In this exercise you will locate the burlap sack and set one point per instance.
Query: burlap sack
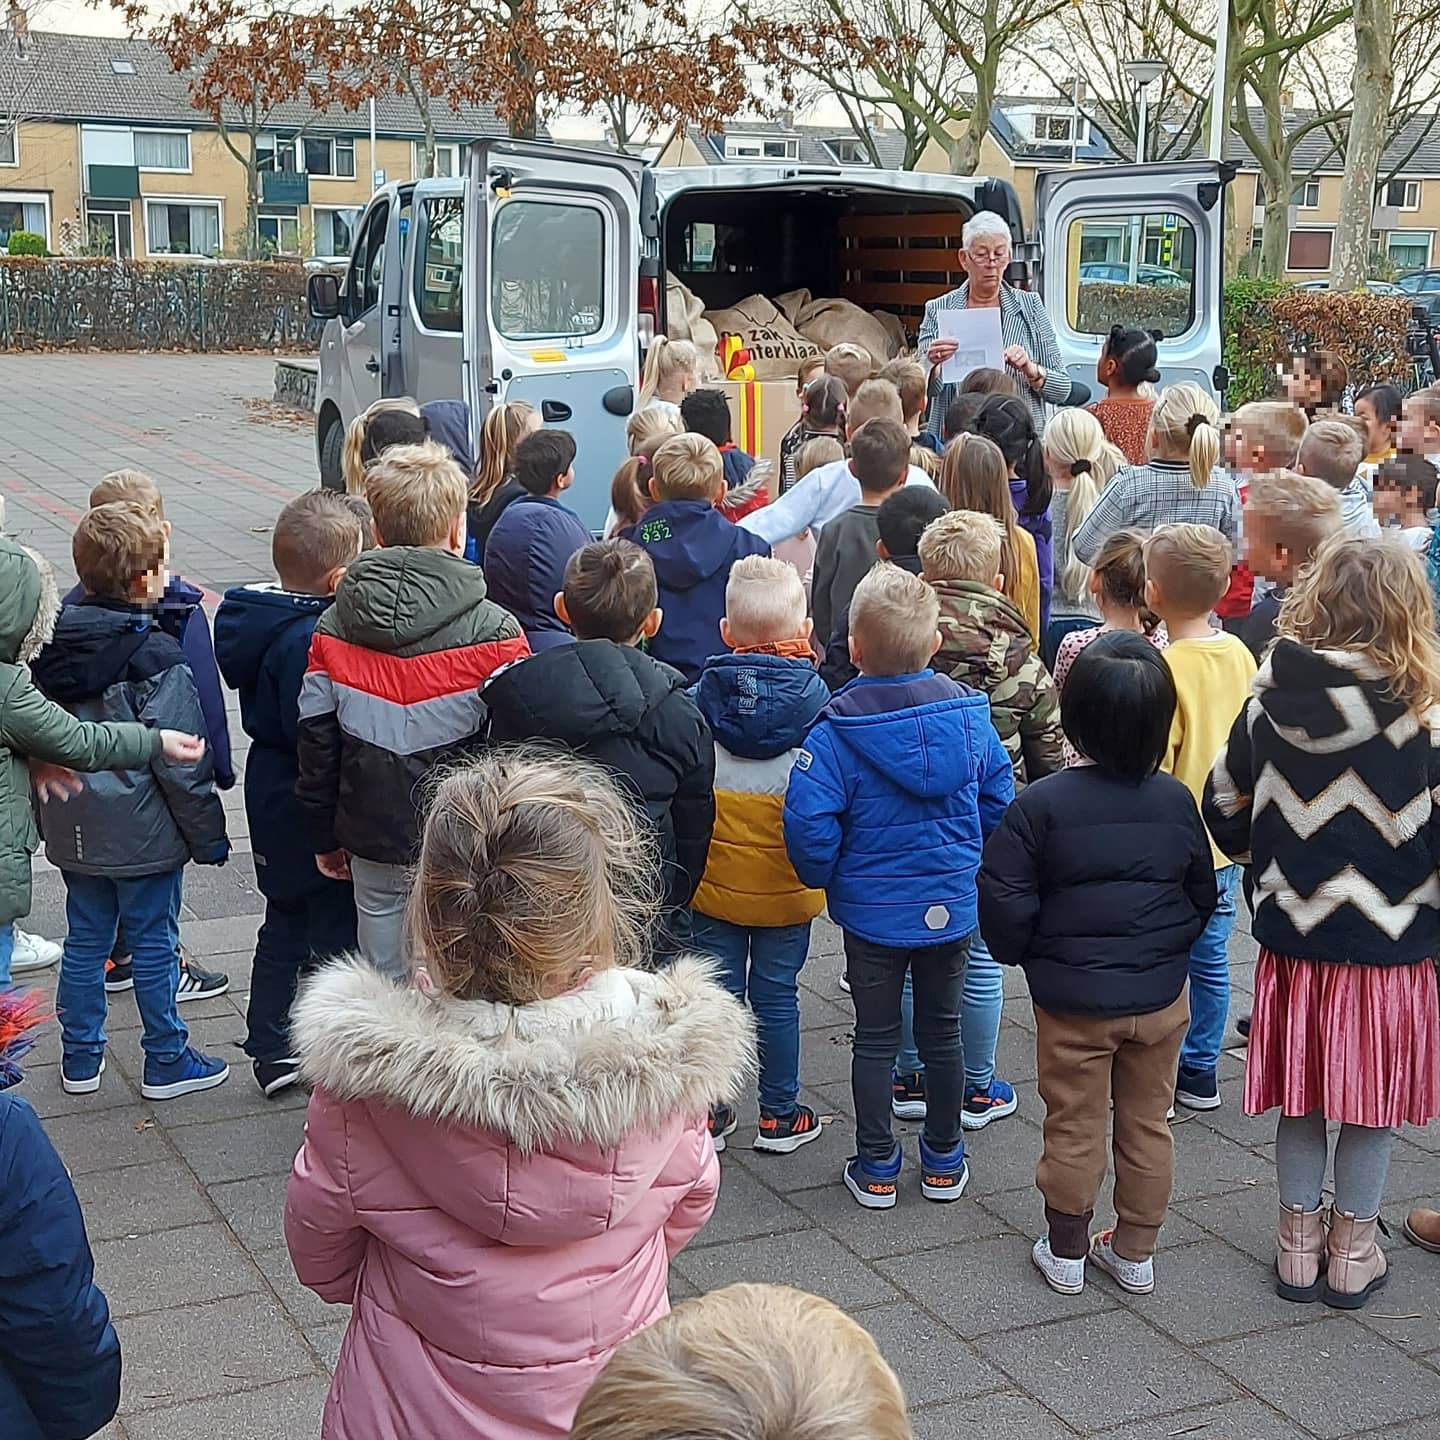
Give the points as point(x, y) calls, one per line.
point(832, 322)
point(895, 329)
point(776, 348)
point(685, 320)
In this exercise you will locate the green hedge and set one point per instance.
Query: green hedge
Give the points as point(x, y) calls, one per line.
point(1266, 322)
point(1100, 305)
point(26, 242)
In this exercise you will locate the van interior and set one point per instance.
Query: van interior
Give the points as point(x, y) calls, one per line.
point(881, 249)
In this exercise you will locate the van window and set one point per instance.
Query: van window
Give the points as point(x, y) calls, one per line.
point(1132, 270)
point(367, 265)
point(440, 275)
point(547, 263)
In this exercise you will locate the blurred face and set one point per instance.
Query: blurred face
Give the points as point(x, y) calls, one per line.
point(1262, 554)
point(1389, 502)
point(1379, 434)
point(985, 261)
point(1301, 388)
point(1415, 435)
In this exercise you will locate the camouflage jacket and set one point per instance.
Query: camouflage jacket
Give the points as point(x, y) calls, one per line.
point(985, 643)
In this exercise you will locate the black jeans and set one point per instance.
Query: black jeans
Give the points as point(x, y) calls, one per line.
point(297, 934)
point(877, 976)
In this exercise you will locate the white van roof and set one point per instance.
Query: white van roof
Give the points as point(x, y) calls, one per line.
point(674, 180)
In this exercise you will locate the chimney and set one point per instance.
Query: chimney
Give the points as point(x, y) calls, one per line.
point(787, 119)
point(876, 120)
point(1287, 101)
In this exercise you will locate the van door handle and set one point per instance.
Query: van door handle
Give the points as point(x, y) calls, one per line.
point(373, 365)
point(555, 412)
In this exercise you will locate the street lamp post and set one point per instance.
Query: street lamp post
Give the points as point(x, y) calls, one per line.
point(1143, 74)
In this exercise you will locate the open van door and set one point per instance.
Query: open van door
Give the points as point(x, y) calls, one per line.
point(551, 298)
point(1141, 246)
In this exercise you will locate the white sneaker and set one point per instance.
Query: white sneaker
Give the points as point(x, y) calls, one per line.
point(1065, 1277)
point(1136, 1276)
point(32, 952)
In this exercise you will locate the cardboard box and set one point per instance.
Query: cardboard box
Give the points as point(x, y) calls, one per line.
point(761, 412)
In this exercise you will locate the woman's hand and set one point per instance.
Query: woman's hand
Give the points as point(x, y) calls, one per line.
point(941, 349)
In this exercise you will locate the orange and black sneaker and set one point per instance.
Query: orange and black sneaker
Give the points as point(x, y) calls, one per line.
point(119, 975)
point(874, 1183)
point(943, 1177)
point(780, 1134)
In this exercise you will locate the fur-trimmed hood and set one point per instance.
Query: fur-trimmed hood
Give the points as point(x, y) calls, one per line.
point(624, 1054)
point(31, 602)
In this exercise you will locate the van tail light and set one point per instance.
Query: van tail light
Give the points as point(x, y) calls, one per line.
point(649, 308)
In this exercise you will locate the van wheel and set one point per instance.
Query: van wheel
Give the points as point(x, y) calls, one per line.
point(331, 474)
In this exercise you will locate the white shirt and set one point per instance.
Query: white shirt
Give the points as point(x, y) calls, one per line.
point(823, 494)
point(1357, 509)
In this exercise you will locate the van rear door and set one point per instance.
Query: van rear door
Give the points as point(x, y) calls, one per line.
point(432, 277)
point(1140, 246)
point(551, 295)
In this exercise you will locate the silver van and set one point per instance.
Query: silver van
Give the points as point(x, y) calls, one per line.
point(541, 274)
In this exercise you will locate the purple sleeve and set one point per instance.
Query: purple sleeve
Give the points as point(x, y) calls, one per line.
point(200, 652)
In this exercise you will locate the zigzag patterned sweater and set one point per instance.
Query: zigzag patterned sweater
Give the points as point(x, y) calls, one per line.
point(1327, 789)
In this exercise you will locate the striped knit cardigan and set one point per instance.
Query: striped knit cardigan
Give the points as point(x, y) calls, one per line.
point(1327, 789)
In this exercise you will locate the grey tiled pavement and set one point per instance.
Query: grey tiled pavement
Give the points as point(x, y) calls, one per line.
point(183, 1199)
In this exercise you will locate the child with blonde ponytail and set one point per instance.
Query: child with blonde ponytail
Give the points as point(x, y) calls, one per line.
point(396, 421)
point(1082, 462)
point(493, 487)
point(672, 371)
point(1183, 482)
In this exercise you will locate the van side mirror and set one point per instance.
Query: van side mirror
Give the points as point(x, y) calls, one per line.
point(323, 291)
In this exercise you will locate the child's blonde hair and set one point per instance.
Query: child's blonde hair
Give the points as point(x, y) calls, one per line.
point(1332, 451)
point(352, 455)
point(962, 545)
point(505, 427)
point(533, 868)
point(850, 364)
point(1190, 564)
point(1299, 512)
point(764, 601)
point(874, 400)
point(974, 476)
point(1373, 599)
point(630, 485)
point(822, 450)
point(115, 545)
point(1183, 425)
point(416, 493)
point(893, 615)
point(749, 1362)
point(1075, 440)
point(647, 425)
point(134, 486)
point(1276, 426)
point(909, 377)
point(665, 360)
point(924, 460)
point(688, 467)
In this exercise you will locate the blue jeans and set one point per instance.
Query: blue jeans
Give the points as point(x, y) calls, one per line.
point(979, 1019)
point(765, 963)
point(95, 905)
point(1210, 979)
point(7, 950)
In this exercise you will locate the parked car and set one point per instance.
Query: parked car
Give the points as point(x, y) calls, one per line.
point(1424, 285)
point(1117, 272)
point(1375, 287)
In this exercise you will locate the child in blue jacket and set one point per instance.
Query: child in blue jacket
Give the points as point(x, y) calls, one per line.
point(888, 806)
point(262, 639)
point(692, 546)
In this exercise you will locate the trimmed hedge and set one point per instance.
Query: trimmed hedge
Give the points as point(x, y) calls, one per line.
point(1266, 322)
point(1100, 305)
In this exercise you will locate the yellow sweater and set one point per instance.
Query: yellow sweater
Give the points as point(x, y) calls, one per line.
point(1212, 683)
point(1023, 588)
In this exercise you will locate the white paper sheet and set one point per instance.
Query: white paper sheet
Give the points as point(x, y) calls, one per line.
point(977, 335)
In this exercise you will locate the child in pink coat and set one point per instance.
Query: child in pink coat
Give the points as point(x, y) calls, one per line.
point(501, 1159)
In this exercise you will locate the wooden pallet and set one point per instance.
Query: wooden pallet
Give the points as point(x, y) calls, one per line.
point(898, 262)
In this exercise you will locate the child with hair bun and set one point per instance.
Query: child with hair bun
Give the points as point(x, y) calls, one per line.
point(502, 1155)
point(1128, 370)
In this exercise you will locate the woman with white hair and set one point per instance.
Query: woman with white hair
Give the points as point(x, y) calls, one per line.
point(1032, 356)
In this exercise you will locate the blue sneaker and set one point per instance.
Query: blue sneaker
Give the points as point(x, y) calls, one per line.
point(943, 1177)
point(983, 1106)
point(1197, 1089)
point(188, 1072)
point(907, 1096)
point(80, 1074)
point(872, 1182)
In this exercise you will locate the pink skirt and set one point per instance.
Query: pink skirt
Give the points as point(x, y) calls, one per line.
point(1359, 1042)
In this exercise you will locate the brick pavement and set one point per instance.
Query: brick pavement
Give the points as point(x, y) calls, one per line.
point(183, 1199)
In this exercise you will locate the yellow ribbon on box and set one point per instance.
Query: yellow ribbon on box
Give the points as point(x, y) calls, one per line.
point(735, 358)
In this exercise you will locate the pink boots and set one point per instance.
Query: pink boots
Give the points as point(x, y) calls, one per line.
point(1300, 1255)
point(1357, 1263)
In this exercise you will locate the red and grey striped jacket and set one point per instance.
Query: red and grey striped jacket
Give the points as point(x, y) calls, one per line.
point(392, 690)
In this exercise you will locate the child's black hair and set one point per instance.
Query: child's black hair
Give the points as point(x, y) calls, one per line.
point(1117, 705)
point(1135, 354)
point(1409, 472)
point(1006, 420)
point(961, 413)
point(707, 413)
point(1386, 401)
point(903, 517)
point(386, 428)
point(541, 458)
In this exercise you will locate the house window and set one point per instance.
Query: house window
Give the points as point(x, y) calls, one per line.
point(849, 152)
point(335, 230)
point(449, 159)
point(9, 150)
point(1054, 129)
point(332, 155)
point(109, 232)
point(757, 147)
point(278, 227)
point(1409, 249)
point(167, 150)
point(182, 227)
point(21, 211)
point(1309, 250)
point(1306, 196)
point(276, 153)
point(1402, 195)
